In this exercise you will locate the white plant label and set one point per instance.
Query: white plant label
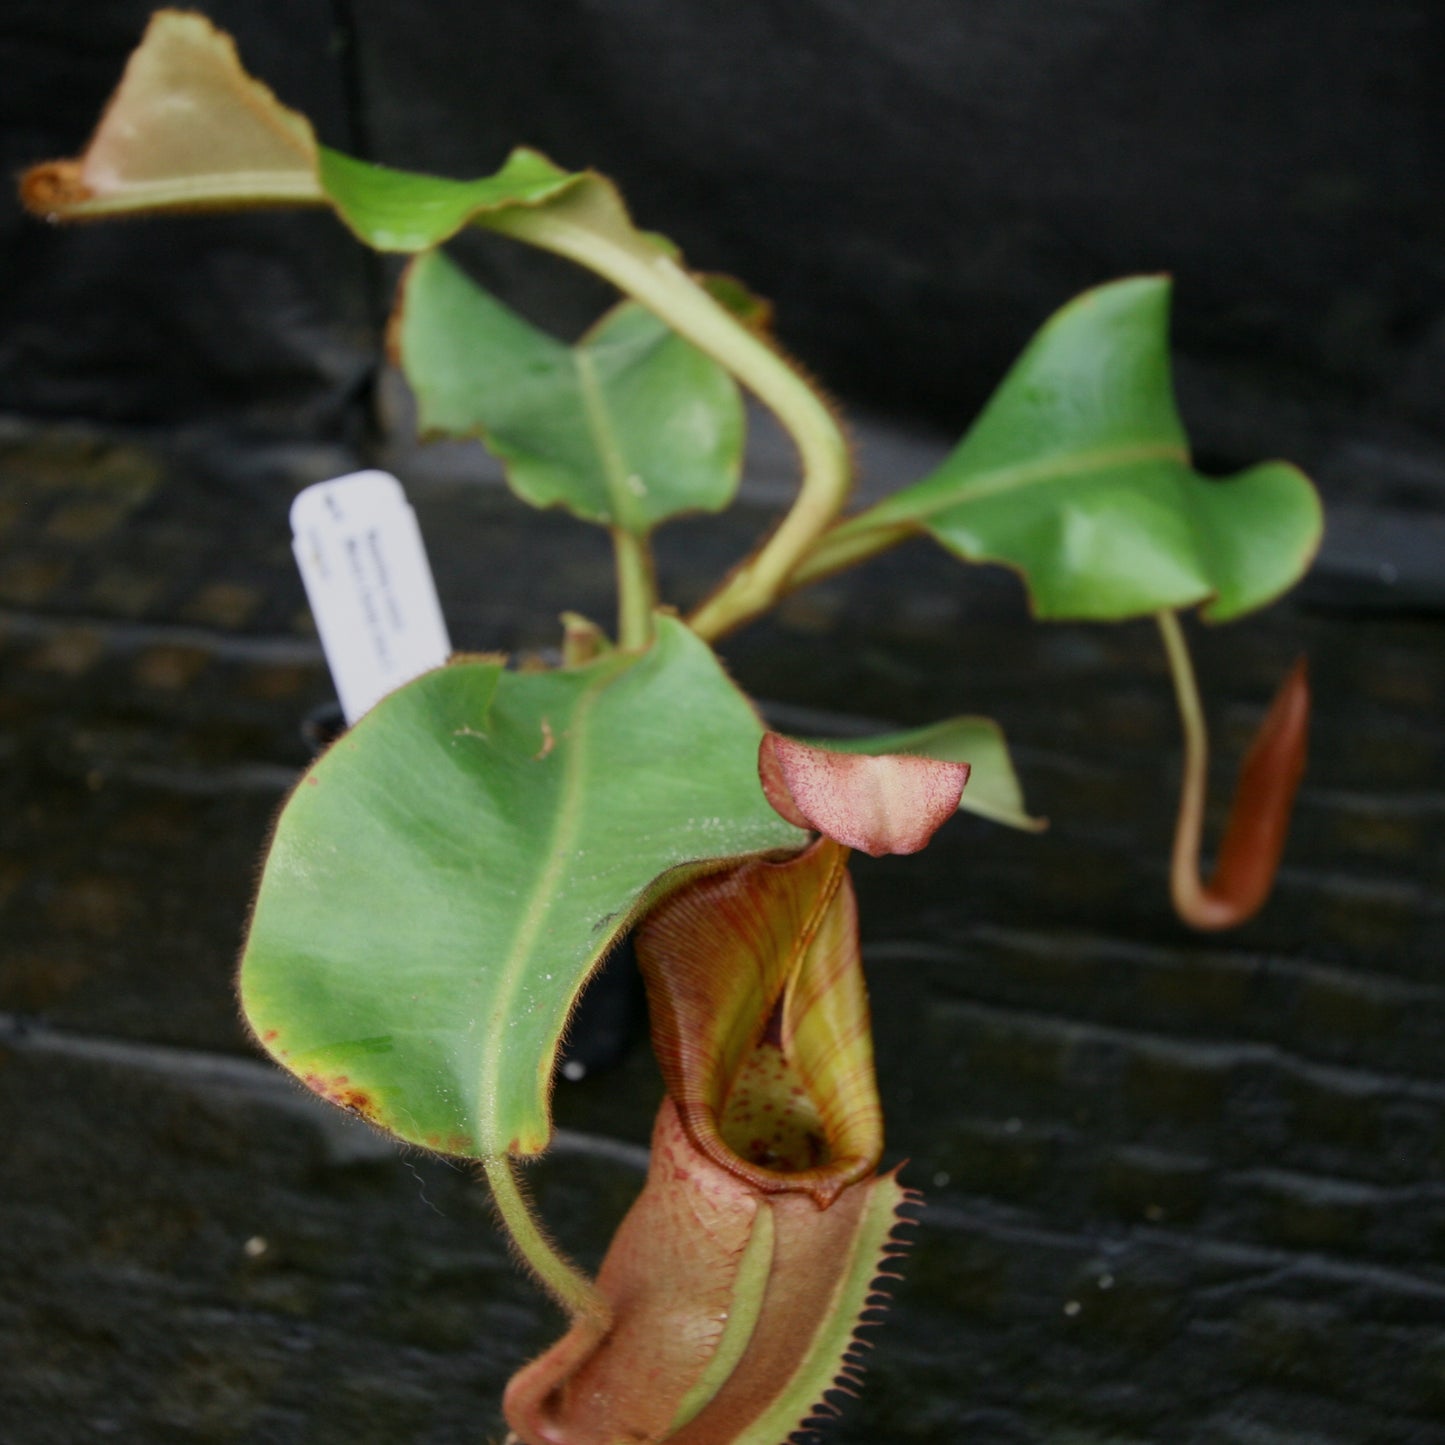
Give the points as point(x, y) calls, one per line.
point(369, 584)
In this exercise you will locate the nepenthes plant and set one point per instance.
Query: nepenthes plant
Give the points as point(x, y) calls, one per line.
point(445, 880)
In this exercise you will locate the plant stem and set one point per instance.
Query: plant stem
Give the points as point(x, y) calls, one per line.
point(558, 1275)
point(595, 234)
point(636, 577)
point(845, 545)
point(636, 588)
point(1189, 895)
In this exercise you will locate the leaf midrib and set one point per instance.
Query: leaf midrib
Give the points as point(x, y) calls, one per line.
point(565, 825)
point(1009, 479)
point(220, 186)
point(615, 470)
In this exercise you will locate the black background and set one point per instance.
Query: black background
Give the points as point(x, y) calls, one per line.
point(916, 186)
point(1182, 1189)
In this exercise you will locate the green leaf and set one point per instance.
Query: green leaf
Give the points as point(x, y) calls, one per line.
point(189, 128)
point(446, 877)
point(530, 197)
point(993, 789)
point(631, 426)
point(395, 210)
point(1077, 474)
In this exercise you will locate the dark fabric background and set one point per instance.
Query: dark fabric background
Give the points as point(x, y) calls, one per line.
point(1182, 1190)
point(917, 185)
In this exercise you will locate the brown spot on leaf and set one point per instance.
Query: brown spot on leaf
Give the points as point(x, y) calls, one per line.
point(341, 1092)
point(47, 190)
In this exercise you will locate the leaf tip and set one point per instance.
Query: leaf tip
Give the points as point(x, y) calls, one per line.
point(186, 128)
point(51, 189)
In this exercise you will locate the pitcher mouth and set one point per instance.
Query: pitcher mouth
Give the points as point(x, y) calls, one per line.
point(760, 1022)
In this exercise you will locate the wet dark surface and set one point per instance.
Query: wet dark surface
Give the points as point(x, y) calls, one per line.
point(1180, 1189)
